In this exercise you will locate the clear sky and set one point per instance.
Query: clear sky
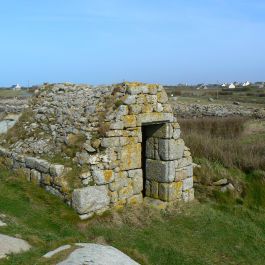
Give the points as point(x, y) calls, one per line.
point(108, 41)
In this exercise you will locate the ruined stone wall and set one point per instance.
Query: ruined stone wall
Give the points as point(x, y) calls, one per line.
point(40, 172)
point(110, 155)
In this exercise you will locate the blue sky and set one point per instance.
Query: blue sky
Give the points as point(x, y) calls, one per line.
point(108, 41)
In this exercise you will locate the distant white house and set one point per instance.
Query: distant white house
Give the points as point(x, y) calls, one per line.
point(232, 86)
point(224, 85)
point(16, 87)
point(246, 83)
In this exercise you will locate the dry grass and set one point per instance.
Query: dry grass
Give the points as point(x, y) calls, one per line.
point(223, 140)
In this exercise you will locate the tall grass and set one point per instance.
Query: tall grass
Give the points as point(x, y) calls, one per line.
point(222, 140)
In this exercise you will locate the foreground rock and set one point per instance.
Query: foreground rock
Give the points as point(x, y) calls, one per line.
point(10, 245)
point(97, 255)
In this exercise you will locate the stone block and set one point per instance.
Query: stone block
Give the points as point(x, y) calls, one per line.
point(134, 90)
point(129, 121)
point(160, 171)
point(131, 157)
point(137, 184)
point(110, 142)
point(90, 199)
point(150, 148)
point(164, 131)
point(170, 191)
point(176, 133)
point(187, 183)
point(135, 109)
point(147, 188)
point(154, 189)
point(162, 97)
point(129, 99)
point(102, 177)
point(147, 108)
point(56, 170)
point(125, 192)
point(154, 117)
point(188, 195)
point(35, 176)
point(182, 173)
point(42, 165)
point(170, 149)
point(118, 125)
point(183, 162)
point(135, 173)
point(30, 162)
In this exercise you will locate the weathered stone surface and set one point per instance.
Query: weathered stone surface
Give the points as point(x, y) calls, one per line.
point(102, 177)
point(170, 149)
point(170, 191)
point(30, 162)
point(135, 173)
point(145, 118)
point(182, 173)
point(137, 184)
point(42, 165)
point(131, 157)
point(160, 171)
point(97, 255)
point(9, 245)
point(125, 192)
point(56, 170)
point(90, 199)
point(129, 121)
point(187, 183)
point(110, 142)
point(154, 189)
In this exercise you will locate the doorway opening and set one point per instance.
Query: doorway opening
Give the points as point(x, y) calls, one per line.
point(149, 133)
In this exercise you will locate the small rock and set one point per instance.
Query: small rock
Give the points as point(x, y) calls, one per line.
point(228, 187)
point(220, 182)
point(10, 245)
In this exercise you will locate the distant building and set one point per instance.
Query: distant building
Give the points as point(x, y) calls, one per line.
point(16, 87)
point(246, 83)
point(224, 85)
point(232, 86)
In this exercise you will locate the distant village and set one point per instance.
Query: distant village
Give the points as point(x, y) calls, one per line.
point(233, 85)
point(223, 86)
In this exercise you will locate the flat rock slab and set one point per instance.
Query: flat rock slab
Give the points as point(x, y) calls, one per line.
point(10, 245)
point(97, 255)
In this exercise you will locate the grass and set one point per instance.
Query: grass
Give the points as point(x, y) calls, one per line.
point(224, 140)
point(195, 234)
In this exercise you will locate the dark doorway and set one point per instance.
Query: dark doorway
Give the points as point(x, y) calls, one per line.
point(149, 133)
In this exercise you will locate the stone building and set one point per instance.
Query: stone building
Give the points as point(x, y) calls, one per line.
point(129, 147)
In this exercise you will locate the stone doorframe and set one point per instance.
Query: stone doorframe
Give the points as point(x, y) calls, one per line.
point(163, 149)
